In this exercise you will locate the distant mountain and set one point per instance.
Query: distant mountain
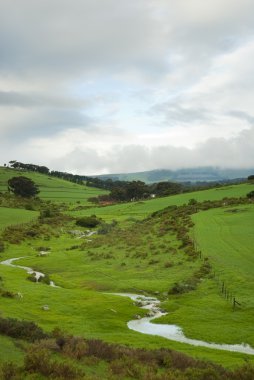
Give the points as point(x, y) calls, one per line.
point(204, 174)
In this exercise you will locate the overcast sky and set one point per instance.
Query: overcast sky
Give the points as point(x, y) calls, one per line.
point(107, 86)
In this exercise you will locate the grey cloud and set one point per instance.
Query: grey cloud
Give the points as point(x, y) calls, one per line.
point(242, 116)
point(176, 113)
point(46, 123)
point(232, 153)
point(62, 37)
point(17, 99)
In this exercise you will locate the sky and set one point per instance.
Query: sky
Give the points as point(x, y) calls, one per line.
point(112, 86)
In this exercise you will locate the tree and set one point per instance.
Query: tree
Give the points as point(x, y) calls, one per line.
point(23, 186)
point(250, 195)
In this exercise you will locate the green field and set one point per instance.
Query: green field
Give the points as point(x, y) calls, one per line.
point(53, 189)
point(138, 257)
point(10, 216)
point(139, 210)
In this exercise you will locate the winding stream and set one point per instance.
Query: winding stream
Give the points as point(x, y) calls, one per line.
point(36, 274)
point(144, 325)
point(172, 332)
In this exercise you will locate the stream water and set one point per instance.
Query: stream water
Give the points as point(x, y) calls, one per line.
point(36, 274)
point(144, 325)
point(172, 332)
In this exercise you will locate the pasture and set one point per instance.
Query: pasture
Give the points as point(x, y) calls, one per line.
point(139, 210)
point(11, 216)
point(53, 189)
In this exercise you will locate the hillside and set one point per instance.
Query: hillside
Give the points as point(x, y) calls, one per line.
point(132, 211)
point(173, 248)
point(207, 174)
point(51, 188)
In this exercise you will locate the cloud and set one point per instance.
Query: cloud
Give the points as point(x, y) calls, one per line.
point(126, 85)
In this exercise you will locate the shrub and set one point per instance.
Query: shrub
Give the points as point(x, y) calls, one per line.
point(168, 264)
point(31, 277)
point(7, 293)
point(75, 347)
point(10, 371)
point(44, 279)
point(250, 195)
point(89, 222)
point(1, 246)
point(105, 228)
point(21, 329)
point(38, 360)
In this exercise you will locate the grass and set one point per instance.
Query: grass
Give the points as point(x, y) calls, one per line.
point(138, 210)
point(11, 216)
point(81, 306)
point(9, 351)
point(225, 235)
point(134, 258)
point(53, 189)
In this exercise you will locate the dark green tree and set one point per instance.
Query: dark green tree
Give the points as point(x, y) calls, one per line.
point(251, 194)
point(23, 186)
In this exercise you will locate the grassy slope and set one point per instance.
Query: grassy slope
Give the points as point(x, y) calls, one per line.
point(15, 216)
point(226, 237)
point(140, 210)
point(51, 188)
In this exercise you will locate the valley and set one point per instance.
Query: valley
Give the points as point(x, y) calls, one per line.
point(193, 256)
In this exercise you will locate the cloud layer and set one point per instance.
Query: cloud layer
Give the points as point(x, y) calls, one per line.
point(98, 86)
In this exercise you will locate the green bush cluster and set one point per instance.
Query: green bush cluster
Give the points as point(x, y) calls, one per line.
point(88, 221)
point(21, 329)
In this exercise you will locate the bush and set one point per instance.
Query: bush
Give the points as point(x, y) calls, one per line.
point(38, 360)
point(1, 246)
point(75, 347)
point(21, 329)
point(9, 371)
point(89, 222)
point(250, 195)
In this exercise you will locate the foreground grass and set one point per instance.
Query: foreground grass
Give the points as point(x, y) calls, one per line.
point(9, 351)
point(131, 260)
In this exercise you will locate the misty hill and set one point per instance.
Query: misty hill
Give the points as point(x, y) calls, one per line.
point(207, 174)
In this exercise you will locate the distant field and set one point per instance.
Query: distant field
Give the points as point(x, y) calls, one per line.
point(140, 210)
point(52, 188)
point(10, 216)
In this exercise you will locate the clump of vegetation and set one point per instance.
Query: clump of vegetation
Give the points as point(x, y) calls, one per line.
point(7, 293)
point(44, 279)
point(21, 329)
point(31, 277)
point(250, 195)
point(23, 187)
point(192, 282)
point(1, 246)
point(88, 222)
point(37, 360)
point(105, 228)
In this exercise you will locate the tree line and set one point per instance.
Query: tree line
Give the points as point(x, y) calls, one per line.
point(120, 191)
